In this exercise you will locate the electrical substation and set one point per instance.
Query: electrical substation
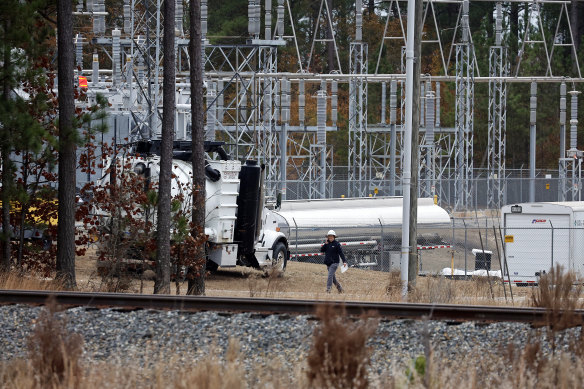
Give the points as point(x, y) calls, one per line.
point(283, 119)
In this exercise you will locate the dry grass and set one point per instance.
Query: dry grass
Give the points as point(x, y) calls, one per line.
point(339, 358)
point(339, 355)
point(394, 286)
point(54, 353)
point(300, 281)
point(268, 284)
point(560, 293)
point(16, 281)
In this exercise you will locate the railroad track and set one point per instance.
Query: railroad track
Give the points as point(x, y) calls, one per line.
point(279, 306)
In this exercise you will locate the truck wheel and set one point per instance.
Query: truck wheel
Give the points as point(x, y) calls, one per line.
point(279, 260)
point(212, 266)
point(46, 242)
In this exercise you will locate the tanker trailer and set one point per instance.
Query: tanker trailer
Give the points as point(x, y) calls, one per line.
point(368, 228)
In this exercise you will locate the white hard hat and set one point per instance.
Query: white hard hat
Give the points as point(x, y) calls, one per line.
point(331, 232)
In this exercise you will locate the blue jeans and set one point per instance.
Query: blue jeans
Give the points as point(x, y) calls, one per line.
point(332, 269)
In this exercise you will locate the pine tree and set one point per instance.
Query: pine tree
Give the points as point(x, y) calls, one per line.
point(67, 146)
point(162, 283)
point(197, 274)
point(23, 45)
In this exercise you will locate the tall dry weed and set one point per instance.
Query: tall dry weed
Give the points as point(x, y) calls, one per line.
point(16, 281)
point(394, 286)
point(339, 355)
point(215, 373)
point(54, 352)
point(436, 290)
point(559, 293)
point(269, 284)
point(16, 374)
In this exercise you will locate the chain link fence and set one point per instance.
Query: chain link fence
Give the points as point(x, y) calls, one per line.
point(467, 248)
point(515, 187)
point(516, 190)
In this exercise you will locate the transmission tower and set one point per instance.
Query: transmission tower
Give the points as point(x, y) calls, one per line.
point(498, 68)
point(358, 185)
point(464, 117)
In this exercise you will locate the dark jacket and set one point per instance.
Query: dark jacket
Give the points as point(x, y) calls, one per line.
point(332, 251)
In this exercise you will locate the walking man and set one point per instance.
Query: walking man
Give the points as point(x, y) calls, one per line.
point(332, 251)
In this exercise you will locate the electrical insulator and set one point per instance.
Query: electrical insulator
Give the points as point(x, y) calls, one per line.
point(334, 102)
point(321, 117)
point(301, 102)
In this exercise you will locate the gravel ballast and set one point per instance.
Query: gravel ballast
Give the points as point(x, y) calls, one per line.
point(139, 335)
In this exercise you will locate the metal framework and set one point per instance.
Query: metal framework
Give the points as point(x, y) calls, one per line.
point(359, 171)
point(248, 100)
point(464, 117)
point(498, 67)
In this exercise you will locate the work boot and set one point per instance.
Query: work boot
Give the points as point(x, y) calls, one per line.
point(340, 289)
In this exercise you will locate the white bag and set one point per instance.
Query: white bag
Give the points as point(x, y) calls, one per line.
point(344, 267)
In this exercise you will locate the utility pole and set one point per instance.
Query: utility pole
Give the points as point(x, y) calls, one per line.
point(409, 262)
point(416, 106)
point(532, 134)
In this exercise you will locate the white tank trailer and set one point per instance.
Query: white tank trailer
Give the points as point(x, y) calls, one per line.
point(368, 228)
point(243, 230)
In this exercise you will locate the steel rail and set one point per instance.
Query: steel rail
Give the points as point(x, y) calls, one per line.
point(280, 306)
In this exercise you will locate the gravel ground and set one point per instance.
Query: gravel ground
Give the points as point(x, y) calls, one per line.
point(140, 335)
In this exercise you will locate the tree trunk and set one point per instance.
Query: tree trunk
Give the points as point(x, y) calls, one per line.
point(6, 173)
point(162, 283)
point(5, 198)
point(330, 47)
point(371, 7)
point(67, 147)
point(23, 211)
point(197, 271)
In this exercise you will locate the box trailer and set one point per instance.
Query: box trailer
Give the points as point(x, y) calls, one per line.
point(539, 236)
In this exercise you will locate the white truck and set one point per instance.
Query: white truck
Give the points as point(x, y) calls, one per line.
point(236, 221)
point(539, 236)
point(242, 230)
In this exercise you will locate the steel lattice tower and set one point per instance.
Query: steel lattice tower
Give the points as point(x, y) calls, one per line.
point(464, 117)
point(498, 67)
point(358, 149)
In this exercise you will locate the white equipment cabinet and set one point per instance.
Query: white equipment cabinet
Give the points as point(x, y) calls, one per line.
point(220, 211)
point(539, 236)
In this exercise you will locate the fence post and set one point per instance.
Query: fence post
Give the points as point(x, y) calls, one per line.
point(296, 227)
point(381, 257)
point(465, 250)
point(486, 233)
point(452, 251)
point(521, 184)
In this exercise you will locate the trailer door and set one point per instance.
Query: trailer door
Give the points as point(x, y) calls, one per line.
point(533, 246)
